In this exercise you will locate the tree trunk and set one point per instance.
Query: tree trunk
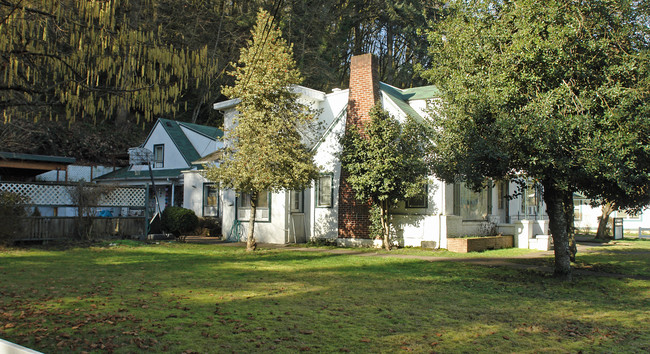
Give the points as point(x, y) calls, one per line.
point(251, 245)
point(384, 225)
point(607, 210)
point(557, 211)
point(570, 228)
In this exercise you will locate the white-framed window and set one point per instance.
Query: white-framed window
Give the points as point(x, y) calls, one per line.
point(577, 209)
point(263, 206)
point(471, 205)
point(625, 215)
point(421, 200)
point(324, 191)
point(159, 156)
point(531, 199)
point(502, 193)
point(296, 200)
point(210, 200)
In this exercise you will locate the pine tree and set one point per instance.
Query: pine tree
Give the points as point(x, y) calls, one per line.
point(264, 145)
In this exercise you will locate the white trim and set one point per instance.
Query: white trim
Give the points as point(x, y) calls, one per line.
point(7, 347)
point(226, 105)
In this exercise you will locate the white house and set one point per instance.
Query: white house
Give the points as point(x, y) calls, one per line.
point(587, 217)
point(328, 210)
point(176, 147)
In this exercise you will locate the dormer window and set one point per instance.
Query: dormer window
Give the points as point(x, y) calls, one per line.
point(159, 156)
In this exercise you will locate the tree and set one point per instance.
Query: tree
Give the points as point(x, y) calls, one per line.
point(385, 163)
point(91, 60)
point(557, 91)
point(264, 146)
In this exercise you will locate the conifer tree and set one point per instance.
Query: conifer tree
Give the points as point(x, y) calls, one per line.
point(264, 149)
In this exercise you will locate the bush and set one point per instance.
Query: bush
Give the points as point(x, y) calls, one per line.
point(210, 227)
point(179, 221)
point(12, 206)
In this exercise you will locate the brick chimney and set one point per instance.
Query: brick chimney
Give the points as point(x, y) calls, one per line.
point(354, 216)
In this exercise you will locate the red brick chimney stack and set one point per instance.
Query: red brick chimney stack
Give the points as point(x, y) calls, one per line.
point(354, 216)
point(364, 88)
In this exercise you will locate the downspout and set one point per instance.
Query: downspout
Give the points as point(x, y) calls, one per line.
point(312, 210)
point(442, 213)
point(287, 212)
point(173, 193)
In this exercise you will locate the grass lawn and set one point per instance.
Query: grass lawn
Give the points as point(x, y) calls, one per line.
point(212, 298)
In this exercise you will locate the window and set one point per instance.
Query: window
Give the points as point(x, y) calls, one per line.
point(159, 156)
point(577, 210)
point(624, 214)
point(420, 201)
point(296, 200)
point(471, 205)
point(263, 206)
point(532, 199)
point(502, 192)
point(210, 200)
point(324, 191)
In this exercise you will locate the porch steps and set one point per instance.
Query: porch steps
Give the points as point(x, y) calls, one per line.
point(541, 243)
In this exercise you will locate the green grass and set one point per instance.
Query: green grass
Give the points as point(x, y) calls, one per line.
point(210, 298)
point(629, 256)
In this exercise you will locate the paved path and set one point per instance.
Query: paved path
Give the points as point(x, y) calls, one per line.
point(583, 247)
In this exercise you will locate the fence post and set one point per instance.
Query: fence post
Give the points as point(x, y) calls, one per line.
point(146, 210)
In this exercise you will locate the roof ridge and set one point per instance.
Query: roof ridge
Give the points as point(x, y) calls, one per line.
point(182, 142)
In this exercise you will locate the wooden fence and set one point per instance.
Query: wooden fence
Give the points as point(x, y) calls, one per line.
point(125, 201)
point(63, 228)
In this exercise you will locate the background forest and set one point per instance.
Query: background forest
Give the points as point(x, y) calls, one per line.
point(324, 34)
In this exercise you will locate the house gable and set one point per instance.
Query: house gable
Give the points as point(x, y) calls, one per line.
point(182, 142)
point(204, 145)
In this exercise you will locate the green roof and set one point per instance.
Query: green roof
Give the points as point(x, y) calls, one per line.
point(183, 144)
point(421, 93)
point(210, 132)
point(411, 94)
point(397, 97)
point(124, 173)
point(181, 141)
point(32, 157)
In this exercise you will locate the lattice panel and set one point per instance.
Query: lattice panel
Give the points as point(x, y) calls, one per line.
point(59, 195)
point(125, 197)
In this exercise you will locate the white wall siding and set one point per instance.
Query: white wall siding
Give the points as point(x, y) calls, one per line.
point(201, 143)
point(173, 157)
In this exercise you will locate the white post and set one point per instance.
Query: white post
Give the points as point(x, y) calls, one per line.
point(523, 233)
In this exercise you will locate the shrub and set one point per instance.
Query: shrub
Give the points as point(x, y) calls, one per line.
point(12, 206)
point(178, 221)
point(210, 226)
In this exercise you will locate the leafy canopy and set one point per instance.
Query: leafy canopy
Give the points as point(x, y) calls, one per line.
point(385, 164)
point(385, 161)
point(264, 149)
point(557, 90)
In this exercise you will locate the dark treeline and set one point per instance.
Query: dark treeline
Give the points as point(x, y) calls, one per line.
point(325, 34)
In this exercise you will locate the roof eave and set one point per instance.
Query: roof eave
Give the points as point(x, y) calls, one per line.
point(226, 105)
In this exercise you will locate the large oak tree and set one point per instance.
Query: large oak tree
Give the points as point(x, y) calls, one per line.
point(557, 90)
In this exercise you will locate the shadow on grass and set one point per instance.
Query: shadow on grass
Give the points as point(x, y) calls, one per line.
point(202, 298)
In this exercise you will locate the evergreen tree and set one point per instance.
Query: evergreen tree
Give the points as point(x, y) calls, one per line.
point(558, 91)
point(264, 150)
point(385, 163)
